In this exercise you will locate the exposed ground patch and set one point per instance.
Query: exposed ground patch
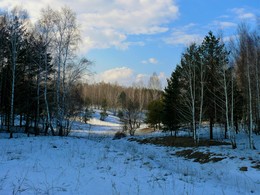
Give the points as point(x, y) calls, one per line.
point(256, 165)
point(197, 156)
point(177, 141)
point(200, 157)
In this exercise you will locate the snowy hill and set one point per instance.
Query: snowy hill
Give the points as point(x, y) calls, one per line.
point(90, 162)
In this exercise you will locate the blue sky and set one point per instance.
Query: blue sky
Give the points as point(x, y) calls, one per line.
point(130, 39)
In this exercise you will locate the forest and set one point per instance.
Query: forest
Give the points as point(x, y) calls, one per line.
point(62, 132)
point(42, 77)
point(217, 83)
point(41, 82)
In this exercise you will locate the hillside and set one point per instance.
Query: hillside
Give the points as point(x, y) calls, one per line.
point(89, 161)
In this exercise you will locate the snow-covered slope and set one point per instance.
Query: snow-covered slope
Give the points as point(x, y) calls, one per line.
point(93, 164)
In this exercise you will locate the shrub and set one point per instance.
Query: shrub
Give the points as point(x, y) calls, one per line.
point(119, 135)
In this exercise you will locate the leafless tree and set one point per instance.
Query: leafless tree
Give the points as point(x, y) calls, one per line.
point(155, 85)
point(45, 30)
point(66, 40)
point(190, 62)
point(245, 62)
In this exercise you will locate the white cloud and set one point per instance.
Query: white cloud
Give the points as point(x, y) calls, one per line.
point(144, 79)
point(163, 79)
point(243, 14)
point(224, 24)
point(127, 77)
point(227, 39)
point(150, 61)
point(108, 23)
point(183, 35)
point(121, 75)
point(141, 77)
point(153, 60)
point(224, 17)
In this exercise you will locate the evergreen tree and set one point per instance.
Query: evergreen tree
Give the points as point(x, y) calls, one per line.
point(16, 34)
point(122, 99)
point(103, 114)
point(171, 102)
point(154, 113)
point(213, 57)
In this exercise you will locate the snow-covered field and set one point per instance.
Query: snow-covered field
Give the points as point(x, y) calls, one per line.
point(91, 162)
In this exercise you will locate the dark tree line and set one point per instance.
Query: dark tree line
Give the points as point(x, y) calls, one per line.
point(39, 71)
point(216, 83)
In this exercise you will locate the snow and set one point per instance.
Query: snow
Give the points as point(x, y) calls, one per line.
point(89, 161)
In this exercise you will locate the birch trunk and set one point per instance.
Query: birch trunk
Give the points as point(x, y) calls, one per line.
point(13, 45)
point(251, 141)
point(14, 52)
point(201, 96)
point(233, 132)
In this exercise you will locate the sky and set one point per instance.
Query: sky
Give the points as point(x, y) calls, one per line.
point(129, 40)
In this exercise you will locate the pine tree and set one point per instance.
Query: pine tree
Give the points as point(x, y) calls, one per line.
point(155, 113)
point(213, 55)
point(103, 114)
point(171, 102)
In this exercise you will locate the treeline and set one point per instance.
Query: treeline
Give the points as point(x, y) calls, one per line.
point(94, 94)
point(128, 103)
point(214, 82)
point(39, 71)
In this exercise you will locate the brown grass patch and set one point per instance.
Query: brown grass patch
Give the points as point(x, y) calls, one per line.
point(177, 141)
point(200, 157)
point(243, 168)
point(146, 130)
point(257, 166)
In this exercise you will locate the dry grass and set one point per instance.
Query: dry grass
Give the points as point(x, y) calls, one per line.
point(177, 141)
point(145, 130)
point(197, 156)
point(243, 168)
point(256, 165)
point(200, 157)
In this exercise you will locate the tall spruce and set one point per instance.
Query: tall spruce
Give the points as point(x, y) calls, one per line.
point(171, 102)
point(213, 53)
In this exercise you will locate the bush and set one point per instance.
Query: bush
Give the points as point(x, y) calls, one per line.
point(120, 115)
point(119, 135)
point(103, 115)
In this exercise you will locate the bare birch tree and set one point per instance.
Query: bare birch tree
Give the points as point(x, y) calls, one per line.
point(66, 40)
point(155, 85)
point(45, 29)
point(189, 63)
point(245, 63)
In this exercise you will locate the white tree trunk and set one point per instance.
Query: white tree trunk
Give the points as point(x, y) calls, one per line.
point(251, 141)
point(201, 96)
point(192, 85)
point(226, 98)
point(13, 45)
point(14, 53)
point(233, 133)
